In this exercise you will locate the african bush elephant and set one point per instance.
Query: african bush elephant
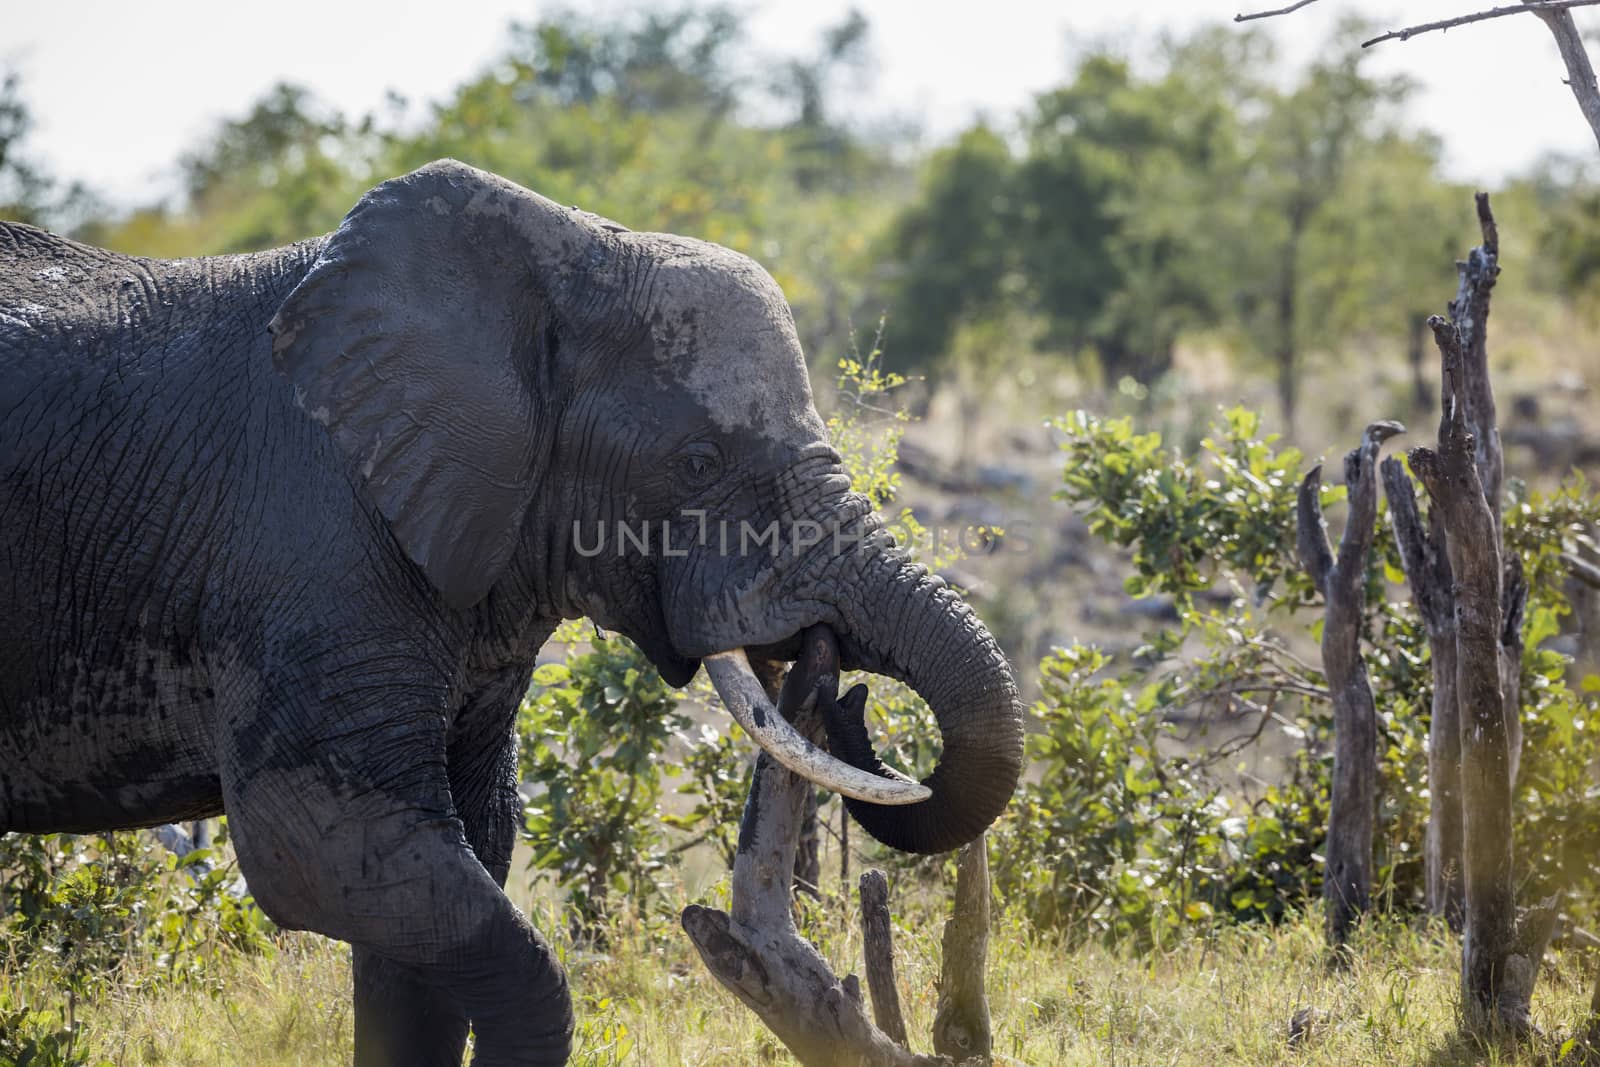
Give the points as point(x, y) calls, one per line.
point(283, 533)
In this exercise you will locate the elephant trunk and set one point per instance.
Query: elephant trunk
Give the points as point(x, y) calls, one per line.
point(901, 621)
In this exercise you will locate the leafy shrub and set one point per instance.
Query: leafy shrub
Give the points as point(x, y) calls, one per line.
point(94, 904)
point(593, 732)
point(41, 1037)
point(1125, 831)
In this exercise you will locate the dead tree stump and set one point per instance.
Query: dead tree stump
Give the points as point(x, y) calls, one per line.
point(961, 1024)
point(877, 950)
point(1347, 879)
point(1469, 442)
point(1500, 952)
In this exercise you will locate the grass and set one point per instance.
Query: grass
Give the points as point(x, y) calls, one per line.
point(1223, 998)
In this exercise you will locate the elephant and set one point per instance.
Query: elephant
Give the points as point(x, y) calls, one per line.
point(283, 533)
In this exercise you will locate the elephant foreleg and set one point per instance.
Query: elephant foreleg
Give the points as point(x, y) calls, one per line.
point(399, 1017)
point(342, 811)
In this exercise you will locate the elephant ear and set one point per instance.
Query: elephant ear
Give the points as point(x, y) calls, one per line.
point(423, 337)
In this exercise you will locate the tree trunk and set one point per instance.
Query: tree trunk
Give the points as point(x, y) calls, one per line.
point(1427, 567)
point(1445, 895)
point(1467, 395)
point(1500, 954)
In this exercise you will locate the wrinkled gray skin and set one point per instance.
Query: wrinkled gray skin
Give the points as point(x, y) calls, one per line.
point(282, 534)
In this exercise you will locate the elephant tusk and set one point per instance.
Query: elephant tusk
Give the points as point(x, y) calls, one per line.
point(737, 685)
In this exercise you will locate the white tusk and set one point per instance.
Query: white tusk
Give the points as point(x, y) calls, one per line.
point(739, 689)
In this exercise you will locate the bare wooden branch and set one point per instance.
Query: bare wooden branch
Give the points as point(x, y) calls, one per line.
point(1272, 14)
point(961, 1024)
point(1312, 531)
point(1422, 554)
point(756, 952)
point(877, 941)
point(1469, 320)
point(1477, 16)
point(1347, 880)
point(1580, 72)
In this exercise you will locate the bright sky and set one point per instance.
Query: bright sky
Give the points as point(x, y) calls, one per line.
point(119, 89)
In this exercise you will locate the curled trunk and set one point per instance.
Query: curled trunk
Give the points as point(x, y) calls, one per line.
point(903, 622)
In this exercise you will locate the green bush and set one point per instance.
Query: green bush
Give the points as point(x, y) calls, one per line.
point(1126, 832)
point(593, 732)
point(94, 904)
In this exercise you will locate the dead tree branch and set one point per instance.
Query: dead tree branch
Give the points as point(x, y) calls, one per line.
point(1580, 72)
point(757, 953)
point(877, 949)
point(1280, 11)
point(961, 1024)
point(1557, 17)
point(1347, 881)
point(1477, 16)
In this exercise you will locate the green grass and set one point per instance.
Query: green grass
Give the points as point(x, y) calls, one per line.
point(1223, 999)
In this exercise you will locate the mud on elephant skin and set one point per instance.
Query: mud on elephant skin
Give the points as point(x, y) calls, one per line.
point(284, 532)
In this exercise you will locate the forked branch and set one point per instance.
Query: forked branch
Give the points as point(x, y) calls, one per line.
point(757, 953)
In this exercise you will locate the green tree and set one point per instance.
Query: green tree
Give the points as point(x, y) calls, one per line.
point(1294, 256)
point(21, 187)
point(1398, 221)
point(1120, 194)
point(952, 246)
point(652, 63)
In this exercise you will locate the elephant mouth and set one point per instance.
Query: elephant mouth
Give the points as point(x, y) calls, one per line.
point(790, 650)
point(676, 670)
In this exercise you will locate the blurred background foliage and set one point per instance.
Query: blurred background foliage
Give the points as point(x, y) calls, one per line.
point(1199, 194)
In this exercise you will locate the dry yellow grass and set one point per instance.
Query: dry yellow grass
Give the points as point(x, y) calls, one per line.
point(1223, 999)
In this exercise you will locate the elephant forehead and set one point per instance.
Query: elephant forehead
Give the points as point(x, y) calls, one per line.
point(723, 332)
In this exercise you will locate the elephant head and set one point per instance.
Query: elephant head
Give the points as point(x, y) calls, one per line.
point(559, 417)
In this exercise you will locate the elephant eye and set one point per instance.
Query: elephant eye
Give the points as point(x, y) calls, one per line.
point(699, 464)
